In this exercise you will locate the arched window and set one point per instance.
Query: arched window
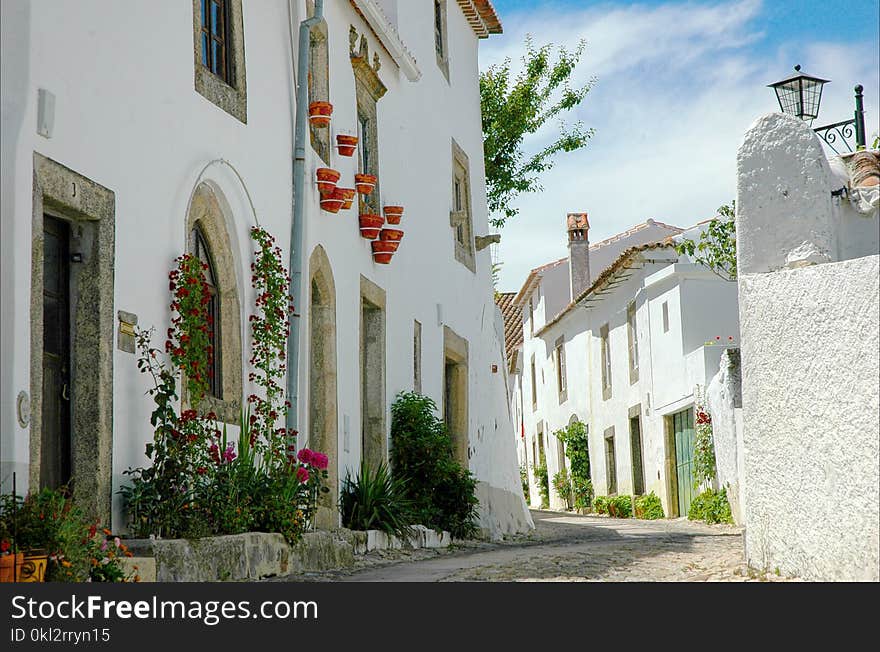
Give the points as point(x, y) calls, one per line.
point(199, 248)
point(208, 238)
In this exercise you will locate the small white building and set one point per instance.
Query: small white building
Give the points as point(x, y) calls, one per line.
point(624, 357)
point(131, 131)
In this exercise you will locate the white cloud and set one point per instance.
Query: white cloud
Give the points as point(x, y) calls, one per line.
point(678, 85)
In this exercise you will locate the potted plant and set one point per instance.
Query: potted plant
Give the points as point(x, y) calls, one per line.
point(348, 197)
point(383, 250)
point(391, 235)
point(346, 144)
point(393, 214)
point(327, 179)
point(333, 201)
point(370, 225)
point(365, 183)
point(319, 113)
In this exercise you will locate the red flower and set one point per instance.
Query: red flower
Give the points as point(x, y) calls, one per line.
point(304, 456)
point(302, 474)
point(320, 461)
point(4, 546)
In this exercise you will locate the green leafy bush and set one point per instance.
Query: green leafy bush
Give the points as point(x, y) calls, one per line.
point(648, 507)
point(542, 478)
point(562, 485)
point(374, 500)
point(524, 479)
point(49, 522)
point(620, 506)
point(442, 493)
point(711, 507)
point(577, 449)
point(600, 504)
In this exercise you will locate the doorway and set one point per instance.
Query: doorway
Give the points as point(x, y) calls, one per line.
point(374, 439)
point(682, 440)
point(635, 440)
point(55, 451)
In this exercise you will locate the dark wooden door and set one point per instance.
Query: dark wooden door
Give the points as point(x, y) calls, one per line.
point(55, 464)
point(635, 433)
point(683, 428)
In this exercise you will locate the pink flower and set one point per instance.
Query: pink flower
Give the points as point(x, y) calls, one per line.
point(320, 461)
point(304, 456)
point(302, 474)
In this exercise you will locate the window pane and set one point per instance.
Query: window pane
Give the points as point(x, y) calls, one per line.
point(204, 13)
point(216, 58)
point(215, 18)
point(204, 49)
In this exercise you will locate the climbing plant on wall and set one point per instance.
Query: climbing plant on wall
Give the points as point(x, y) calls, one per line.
point(704, 447)
point(577, 449)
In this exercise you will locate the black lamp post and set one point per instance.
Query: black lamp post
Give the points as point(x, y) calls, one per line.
point(801, 95)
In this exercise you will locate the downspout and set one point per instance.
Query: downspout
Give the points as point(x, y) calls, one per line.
point(296, 227)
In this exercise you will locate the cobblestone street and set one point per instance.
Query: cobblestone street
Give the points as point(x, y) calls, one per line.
point(571, 548)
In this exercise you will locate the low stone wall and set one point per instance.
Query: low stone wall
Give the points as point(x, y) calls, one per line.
point(256, 555)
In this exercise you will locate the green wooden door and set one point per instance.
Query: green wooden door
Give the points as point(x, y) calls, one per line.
point(683, 427)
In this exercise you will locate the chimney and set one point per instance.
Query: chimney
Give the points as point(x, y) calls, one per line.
point(578, 252)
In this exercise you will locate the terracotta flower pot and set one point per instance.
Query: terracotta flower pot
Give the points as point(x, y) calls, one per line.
point(370, 225)
point(327, 179)
point(364, 183)
point(34, 568)
point(319, 113)
point(393, 214)
point(333, 202)
point(383, 251)
point(348, 195)
point(6, 566)
point(346, 144)
point(395, 235)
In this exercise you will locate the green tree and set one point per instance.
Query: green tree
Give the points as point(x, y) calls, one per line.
point(577, 449)
point(716, 248)
point(513, 108)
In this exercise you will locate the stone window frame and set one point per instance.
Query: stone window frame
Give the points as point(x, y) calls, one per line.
point(610, 462)
point(635, 414)
point(461, 218)
point(206, 211)
point(531, 316)
point(455, 355)
point(534, 378)
point(417, 356)
point(665, 315)
point(319, 82)
point(369, 89)
point(229, 96)
point(90, 209)
point(373, 297)
point(441, 38)
point(605, 356)
point(561, 371)
point(632, 335)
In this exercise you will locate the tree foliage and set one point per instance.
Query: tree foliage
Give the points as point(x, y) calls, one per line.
point(513, 108)
point(716, 248)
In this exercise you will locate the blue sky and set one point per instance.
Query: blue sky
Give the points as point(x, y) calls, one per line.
point(677, 85)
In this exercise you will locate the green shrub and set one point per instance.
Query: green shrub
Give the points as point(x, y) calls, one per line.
point(649, 507)
point(582, 491)
point(600, 504)
point(711, 507)
point(562, 485)
point(443, 495)
point(375, 501)
point(542, 479)
point(620, 506)
point(524, 479)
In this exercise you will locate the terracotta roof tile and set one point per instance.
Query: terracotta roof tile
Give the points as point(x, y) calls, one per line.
point(513, 332)
point(481, 16)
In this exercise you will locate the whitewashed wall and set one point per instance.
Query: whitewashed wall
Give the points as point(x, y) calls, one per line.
point(128, 117)
point(811, 394)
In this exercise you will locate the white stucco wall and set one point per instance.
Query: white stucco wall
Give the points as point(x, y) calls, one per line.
point(724, 402)
point(146, 134)
point(811, 407)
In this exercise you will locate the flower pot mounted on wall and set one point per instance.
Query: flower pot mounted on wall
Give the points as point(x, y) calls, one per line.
point(383, 251)
point(393, 214)
point(346, 144)
point(364, 183)
point(370, 225)
point(347, 196)
point(333, 202)
point(391, 235)
point(319, 113)
point(327, 179)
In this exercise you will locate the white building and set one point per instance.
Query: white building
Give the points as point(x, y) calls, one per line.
point(125, 135)
point(624, 357)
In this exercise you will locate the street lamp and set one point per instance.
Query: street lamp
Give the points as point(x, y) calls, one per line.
point(801, 95)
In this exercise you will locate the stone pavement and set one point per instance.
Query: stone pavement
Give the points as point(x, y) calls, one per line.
point(568, 547)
